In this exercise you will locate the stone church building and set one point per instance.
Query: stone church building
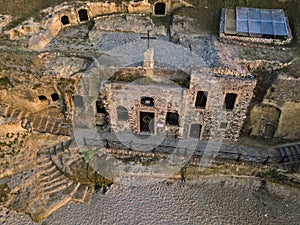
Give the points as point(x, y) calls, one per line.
point(206, 104)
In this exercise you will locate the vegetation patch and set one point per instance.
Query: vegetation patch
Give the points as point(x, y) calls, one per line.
point(83, 173)
point(4, 191)
point(279, 178)
point(5, 82)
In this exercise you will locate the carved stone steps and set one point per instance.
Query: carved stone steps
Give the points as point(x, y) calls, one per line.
point(53, 175)
point(289, 153)
point(50, 127)
point(45, 173)
point(42, 160)
point(57, 185)
point(50, 180)
point(44, 164)
point(43, 201)
point(84, 194)
point(47, 125)
point(56, 127)
point(58, 200)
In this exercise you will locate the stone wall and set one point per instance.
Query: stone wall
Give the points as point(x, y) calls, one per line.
point(214, 114)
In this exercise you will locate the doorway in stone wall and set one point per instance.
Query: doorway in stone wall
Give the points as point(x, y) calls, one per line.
point(147, 122)
point(195, 131)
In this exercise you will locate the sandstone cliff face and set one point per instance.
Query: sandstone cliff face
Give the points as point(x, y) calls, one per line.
point(4, 20)
point(41, 33)
point(283, 96)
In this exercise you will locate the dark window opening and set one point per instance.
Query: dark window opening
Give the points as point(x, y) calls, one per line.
point(172, 119)
point(100, 108)
point(122, 113)
point(160, 8)
point(195, 131)
point(230, 100)
point(43, 98)
point(147, 122)
point(65, 20)
point(83, 15)
point(223, 125)
point(55, 97)
point(78, 101)
point(201, 99)
point(147, 101)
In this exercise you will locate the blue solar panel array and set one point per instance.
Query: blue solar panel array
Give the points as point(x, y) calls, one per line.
point(261, 22)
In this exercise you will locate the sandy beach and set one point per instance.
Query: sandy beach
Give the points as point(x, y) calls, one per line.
point(210, 200)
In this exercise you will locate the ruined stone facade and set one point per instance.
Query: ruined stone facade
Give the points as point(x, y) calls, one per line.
point(175, 110)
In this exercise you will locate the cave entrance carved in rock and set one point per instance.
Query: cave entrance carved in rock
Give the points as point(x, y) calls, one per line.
point(160, 8)
point(83, 15)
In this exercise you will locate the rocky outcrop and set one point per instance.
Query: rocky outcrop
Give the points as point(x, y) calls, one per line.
point(263, 65)
point(125, 23)
point(4, 20)
point(42, 189)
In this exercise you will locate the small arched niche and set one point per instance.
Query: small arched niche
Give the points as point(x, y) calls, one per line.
point(65, 20)
point(42, 98)
point(195, 131)
point(55, 97)
point(78, 101)
point(83, 15)
point(160, 8)
point(100, 107)
point(147, 101)
point(122, 113)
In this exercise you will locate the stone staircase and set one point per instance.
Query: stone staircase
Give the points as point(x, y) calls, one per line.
point(83, 194)
point(288, 153)
point(51, 125)
point(47, 189)
point(9, 115)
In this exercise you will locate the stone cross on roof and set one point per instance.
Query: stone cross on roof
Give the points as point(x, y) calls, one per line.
point(148, 38)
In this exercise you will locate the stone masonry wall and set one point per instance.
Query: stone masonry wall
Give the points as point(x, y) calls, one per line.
point(214, 114)
point(129, 96)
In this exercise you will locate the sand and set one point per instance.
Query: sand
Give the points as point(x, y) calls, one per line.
point(210, 200)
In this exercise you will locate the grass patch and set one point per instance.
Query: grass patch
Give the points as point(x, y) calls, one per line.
point(279, 178)
point(81, 172)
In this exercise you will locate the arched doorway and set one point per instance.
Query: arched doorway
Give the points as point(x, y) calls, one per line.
point(195, 131)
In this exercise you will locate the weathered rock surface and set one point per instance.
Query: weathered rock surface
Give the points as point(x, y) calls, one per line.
point(125, 23)
point(4, 20)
